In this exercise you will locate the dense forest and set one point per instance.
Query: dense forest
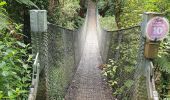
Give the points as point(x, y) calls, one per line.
point(15, 37)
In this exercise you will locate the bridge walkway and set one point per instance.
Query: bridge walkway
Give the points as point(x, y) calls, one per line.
point(88, 83)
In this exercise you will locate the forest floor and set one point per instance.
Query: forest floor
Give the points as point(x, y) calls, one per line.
point(88, 83)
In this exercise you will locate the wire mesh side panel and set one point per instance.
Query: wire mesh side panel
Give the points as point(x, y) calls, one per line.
point(60, 52)
point(79, 42)
point(61, 61)
point(79, 39)
point(112, 46)
point(104, 39)
point(39, 44)
point(123, 50)
point(141, 75)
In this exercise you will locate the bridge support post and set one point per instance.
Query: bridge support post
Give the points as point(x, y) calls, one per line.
point(39, 38)
point(147, 65)
point(38, 20)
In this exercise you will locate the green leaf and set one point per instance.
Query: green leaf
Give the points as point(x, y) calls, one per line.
point(113, 83)
point(5, 73)
point(30, 58)
point(114, 69)
point(3, 3)
point(1, 94)
point(21, 44)
point(25, 66)
point(2, 64)
point(27, 2)
point(129, 83)
point(10, 93)
point(2, 46)
point(105, 74)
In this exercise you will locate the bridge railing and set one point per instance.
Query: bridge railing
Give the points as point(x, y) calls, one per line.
point(60, 51)
point(123, 50)
point(153, 94)
point(35, 79)
point(130, 73)
point(134, 77)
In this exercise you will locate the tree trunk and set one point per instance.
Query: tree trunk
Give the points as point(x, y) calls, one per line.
point(118, 12)
point(103, 12)
point(52, 5)
point(26, 28)
point(83, 8)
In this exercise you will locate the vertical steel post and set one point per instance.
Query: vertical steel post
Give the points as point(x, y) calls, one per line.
point(147, 67)
point(39, 37)
point(38, 20)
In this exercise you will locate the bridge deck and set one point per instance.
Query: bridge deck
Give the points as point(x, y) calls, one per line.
point(88, 83)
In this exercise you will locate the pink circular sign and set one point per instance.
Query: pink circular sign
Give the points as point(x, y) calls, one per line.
point(157, 28)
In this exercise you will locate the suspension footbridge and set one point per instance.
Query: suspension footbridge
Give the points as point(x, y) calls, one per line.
point(67, 61)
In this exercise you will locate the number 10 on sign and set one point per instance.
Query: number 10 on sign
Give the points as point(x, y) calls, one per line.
point(157, 28)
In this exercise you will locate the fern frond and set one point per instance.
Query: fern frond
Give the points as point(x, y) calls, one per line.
point(27, 2)
point(163, 63)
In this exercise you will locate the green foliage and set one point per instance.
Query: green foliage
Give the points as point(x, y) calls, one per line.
point(66, 14)
point(110, 72)
point(162, 68)
point(3, 15)
point(163, 60)
point(14, 60)
point(103, 3)
point(14, 66)
point(27, 2)
point(108, 23)
point(132, 10)
point(120, 72)
point(42, 4)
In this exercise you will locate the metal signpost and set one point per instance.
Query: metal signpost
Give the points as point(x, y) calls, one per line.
point(154, 29)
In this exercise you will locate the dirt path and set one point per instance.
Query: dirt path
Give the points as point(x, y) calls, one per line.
point(88, 83)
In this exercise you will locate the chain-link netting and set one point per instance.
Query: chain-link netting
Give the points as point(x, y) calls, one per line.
point(127, 70)
point(61, 66)
point(123, 51)
point(39, 45)
point(60, 51)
